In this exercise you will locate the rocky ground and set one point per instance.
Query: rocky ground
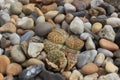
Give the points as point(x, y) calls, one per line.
point(59, 40)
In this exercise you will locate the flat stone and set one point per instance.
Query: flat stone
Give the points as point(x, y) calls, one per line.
point(108, 45)
point(77, 26)
point(106, 52)
point(34, 49)
point(107, 32)
point(89, 44)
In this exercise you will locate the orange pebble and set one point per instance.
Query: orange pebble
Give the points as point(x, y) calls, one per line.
point(13, 69)
point(4, 62)
point(1, 76)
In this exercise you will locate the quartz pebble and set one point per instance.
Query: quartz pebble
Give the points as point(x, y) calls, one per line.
point(77, 26)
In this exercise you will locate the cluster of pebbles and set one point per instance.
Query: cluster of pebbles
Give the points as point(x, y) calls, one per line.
point(59, 40)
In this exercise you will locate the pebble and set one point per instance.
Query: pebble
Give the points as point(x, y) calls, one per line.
point(106, 52)
point(8, 27)
point(69, 8)
point(4, 17)
point(76, 75)
point(28, 9)
point(17, 54)
point(110, 9)
point(108, 45)
point(27, 36)
point(114, 14)
point(40, 19)
point(65, 26)
point(25, 23)
point(96, 3)
point(60, 9)
point(31, 62)
point(69, 17)
point(110, 76)
point(4, 62)
point(68, 1)
point(113, 21)
point(50, 14)
point(117, 62)
point(110, 67)
point(89, 44)
point(77, 26)
point(14, 38)
point(66, 74)
point(88, 25)
point(59, 18)
point(107, 32)
point(34, 49)
point(89, 68)
point(99, 59)
point(5, 43)
point(93, 76)
point(1, 76)
point(24, 1)
point(96, 27)
point(30, 72)
point(16, 8)
point(85, 36)
point(1, 51)
point(42, 29)
point(13, 69)
point(117, 53)
point(114, 3)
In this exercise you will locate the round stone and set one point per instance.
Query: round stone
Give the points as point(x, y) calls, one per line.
point(96, 27)
point(69, 8)
point(43, 29)
point(89, 68)
point(59, 18)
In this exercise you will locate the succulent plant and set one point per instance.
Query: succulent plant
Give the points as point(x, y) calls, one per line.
point(74, 42)
point(57, 57)
point(57, 36)
point(48, 46)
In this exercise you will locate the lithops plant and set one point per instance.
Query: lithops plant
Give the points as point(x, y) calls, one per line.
point(74, 43)
point(48, 46)
point(57, 36)
point(57, 57)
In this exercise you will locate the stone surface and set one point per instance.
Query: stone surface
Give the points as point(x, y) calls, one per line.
point(25, 23)
point(89, 44)
point(88, 25)
point(69, 8)
point(106, 52)
point(76, 75)
point(116, 22)
point(77, 26)
point(110, 67)
point(34, 49)
point(99, 59)
point(96, 3)
point(24, 1)
point(14, 38)
point(117, 53)
point(59, 18)
point(89, 68)
point(91, 77)
point(43, 29)
point(17, 54)
point(16, 8)
point(108, 45)
point(85, 36)
point(66, 74)
point(40, 19)
point(107, 32)
point(96, 27)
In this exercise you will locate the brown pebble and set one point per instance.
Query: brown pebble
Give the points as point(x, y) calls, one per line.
point(4, 62)
point(8, 27)
point(37, 10)
point(101, 71)
point(50, 7)
point(84, 19)
point(13, 69)
point(21, 31)
point(52, 22)
point(1, 76)
point(15, 17)
point(66, 74)
point(108, 45)
point(89, 68)
point(69, 17)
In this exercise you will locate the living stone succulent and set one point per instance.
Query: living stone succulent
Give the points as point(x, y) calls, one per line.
point(57, 36)
point(57, 57)
point(48, 46)
point(74, 43)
